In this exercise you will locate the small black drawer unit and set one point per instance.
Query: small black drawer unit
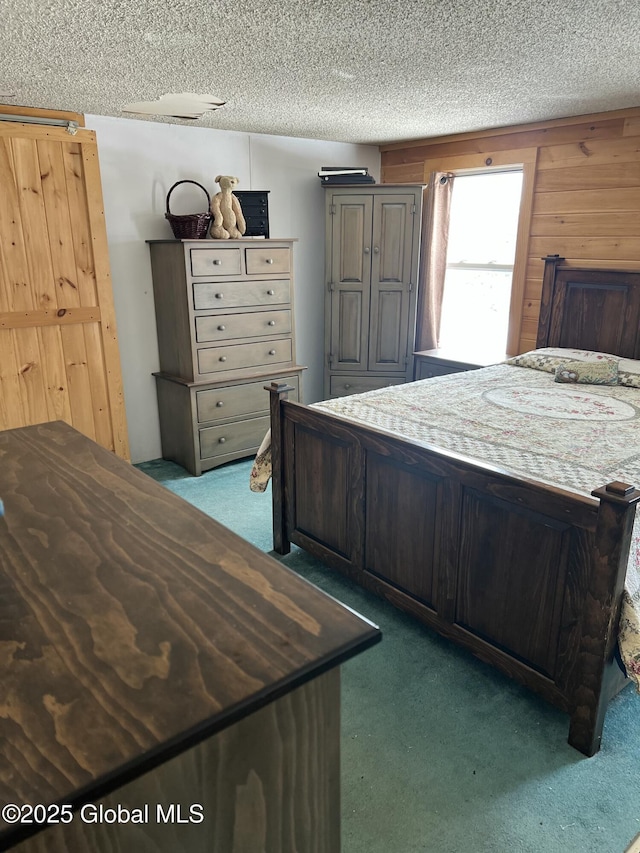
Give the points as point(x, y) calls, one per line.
point(255, 209)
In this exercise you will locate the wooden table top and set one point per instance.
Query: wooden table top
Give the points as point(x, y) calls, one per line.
point(132, 625)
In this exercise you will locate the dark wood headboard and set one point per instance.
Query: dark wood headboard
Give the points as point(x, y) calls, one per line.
point(595, 309)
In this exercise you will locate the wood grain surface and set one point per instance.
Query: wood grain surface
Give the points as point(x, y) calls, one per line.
point(268, 784)
point(133, 626)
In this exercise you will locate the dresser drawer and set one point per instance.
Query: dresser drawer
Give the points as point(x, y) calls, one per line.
point(224, 327)
point(216, 261)
point(341, 386)
point(238, 356)
point(266, 260)
point(233, 437)
point(240, 294)
point(223, 403)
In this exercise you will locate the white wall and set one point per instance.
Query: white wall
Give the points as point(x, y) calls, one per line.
point(139, 162)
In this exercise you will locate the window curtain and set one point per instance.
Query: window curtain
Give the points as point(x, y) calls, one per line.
point(433, 259)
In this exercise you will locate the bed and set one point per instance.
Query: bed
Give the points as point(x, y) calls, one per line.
point(521, 556)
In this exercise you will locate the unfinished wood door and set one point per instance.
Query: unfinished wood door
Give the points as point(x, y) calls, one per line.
point(59, 355)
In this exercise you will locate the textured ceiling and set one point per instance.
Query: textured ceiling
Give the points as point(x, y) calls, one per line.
point(358, 71)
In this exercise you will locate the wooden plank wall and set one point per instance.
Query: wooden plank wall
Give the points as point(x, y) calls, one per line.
point(586, 200)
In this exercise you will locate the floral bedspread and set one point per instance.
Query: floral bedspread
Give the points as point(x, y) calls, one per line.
point(577, 437)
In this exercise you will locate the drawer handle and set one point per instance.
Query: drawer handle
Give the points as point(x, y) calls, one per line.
point(221, 328)
point(222, 358)
point(346, 385)
point(272, 322)
point(217, 262)
point(219, 404)
point(269, 260)
point(272, 352)
point(269, 292)
point(219, 295)
point(221, 440)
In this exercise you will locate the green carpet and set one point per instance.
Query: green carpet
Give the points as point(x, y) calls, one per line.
point(441, 753)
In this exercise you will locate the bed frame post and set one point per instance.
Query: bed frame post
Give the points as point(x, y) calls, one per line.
point(546, 304)
point(597, 666)
point(278, 392)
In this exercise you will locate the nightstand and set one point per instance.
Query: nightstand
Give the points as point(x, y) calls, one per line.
point(439, 362)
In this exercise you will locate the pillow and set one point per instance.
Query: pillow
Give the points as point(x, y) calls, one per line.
point(549, 358)
point(629, 372)
point(588, 372)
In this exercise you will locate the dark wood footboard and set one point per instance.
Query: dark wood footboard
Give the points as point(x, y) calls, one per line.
point(528, 577)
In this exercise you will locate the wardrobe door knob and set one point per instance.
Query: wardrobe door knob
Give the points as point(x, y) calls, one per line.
point(366, 250)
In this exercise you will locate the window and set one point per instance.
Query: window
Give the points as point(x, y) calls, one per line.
point(483, 224)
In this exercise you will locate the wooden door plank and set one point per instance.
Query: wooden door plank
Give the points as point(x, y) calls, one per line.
point(17, 293)
point(54, 189)
point(98, 381)
point(12, 412)
point(111, 354)
point(61, 317)
point(54, 374)
point(30, 360)
point(79, 217)
point(32, 213)
point(78, 379)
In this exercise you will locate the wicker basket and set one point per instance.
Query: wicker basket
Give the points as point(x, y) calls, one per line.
point(190, 226)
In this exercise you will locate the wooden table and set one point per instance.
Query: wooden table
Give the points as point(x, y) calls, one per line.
point(150, 657)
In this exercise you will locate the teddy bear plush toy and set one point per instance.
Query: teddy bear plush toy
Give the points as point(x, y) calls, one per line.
point(228, 221)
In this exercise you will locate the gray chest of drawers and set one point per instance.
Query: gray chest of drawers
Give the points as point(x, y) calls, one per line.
point(224, 314)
